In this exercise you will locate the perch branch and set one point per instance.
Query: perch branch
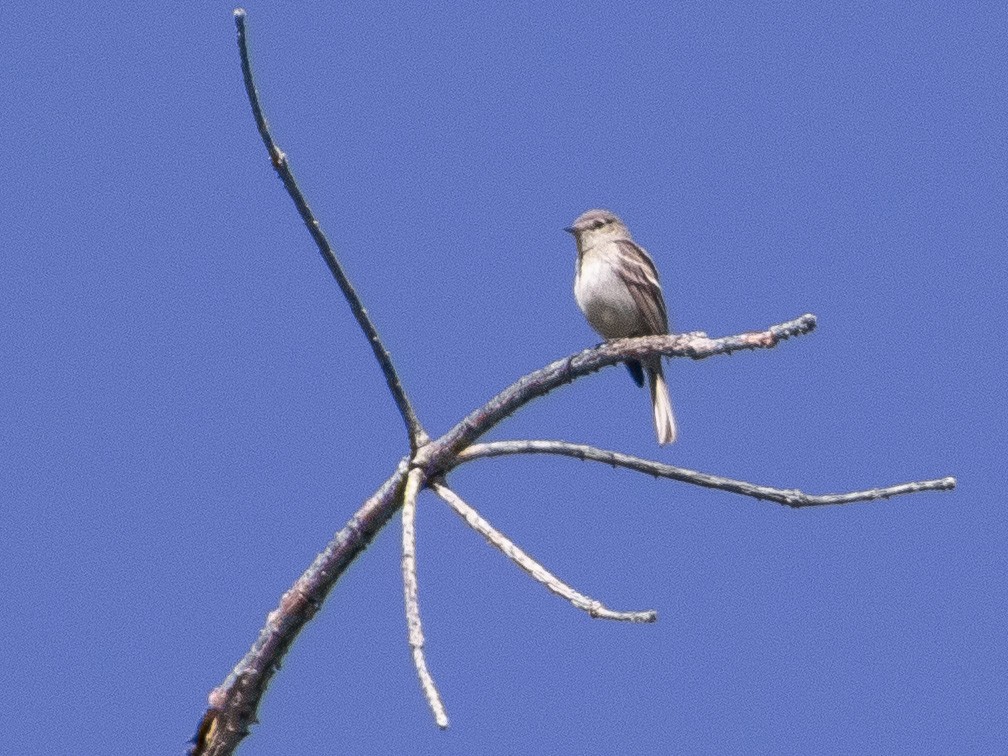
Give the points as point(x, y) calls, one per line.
point(541, 382)
point(539, 573)
point(418, 437)
point(411, 595)
point(789, 497)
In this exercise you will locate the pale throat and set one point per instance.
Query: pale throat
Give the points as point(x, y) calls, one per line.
point(594, 237)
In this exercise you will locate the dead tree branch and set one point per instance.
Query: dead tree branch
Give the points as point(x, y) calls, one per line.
point(234, 703)
point(535, 570)
point(417, 435)
point(411, 589)
point(789, 497)
point(556, 374)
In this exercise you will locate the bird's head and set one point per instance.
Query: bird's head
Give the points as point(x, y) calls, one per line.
point(593, 225)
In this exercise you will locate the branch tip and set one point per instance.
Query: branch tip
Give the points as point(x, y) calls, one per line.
point(808, 322)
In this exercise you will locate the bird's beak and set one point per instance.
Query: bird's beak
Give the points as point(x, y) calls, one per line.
point(570, 229)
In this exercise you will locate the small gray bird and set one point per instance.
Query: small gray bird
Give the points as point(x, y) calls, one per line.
point(617, 288)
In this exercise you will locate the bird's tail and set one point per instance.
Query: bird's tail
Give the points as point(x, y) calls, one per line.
point(664, 421)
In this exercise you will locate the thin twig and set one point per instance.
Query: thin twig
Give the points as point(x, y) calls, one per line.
point(418, 436)
point(531, 566)
point(521, 392)
point(411, 594)
point(789, 497)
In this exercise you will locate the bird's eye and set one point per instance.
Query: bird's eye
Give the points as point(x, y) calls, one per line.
point(598, 224)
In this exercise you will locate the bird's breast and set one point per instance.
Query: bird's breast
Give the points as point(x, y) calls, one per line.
point(605, 299)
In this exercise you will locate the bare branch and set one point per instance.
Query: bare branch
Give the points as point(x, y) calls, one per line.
point(539, 573)
point(411, 595)
point(418, 436)
point(541, 382)
point(789, 497)
point(233, 704)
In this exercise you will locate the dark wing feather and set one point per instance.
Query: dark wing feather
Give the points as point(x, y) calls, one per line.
point(641, 277)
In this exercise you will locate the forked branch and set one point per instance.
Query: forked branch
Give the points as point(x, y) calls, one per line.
point(233, 704)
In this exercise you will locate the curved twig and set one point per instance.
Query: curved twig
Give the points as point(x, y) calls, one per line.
point(789, 497)
point(412, 598)
point(535, 570)
point(418, 436)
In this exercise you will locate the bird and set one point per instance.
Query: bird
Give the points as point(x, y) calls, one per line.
point(617, 287)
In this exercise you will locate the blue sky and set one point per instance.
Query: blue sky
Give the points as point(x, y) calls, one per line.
point(188, 413)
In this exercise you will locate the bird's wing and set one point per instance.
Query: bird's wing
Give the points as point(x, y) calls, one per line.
point(638, 272)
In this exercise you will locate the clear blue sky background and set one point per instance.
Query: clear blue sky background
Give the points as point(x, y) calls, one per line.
point(188, 412)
